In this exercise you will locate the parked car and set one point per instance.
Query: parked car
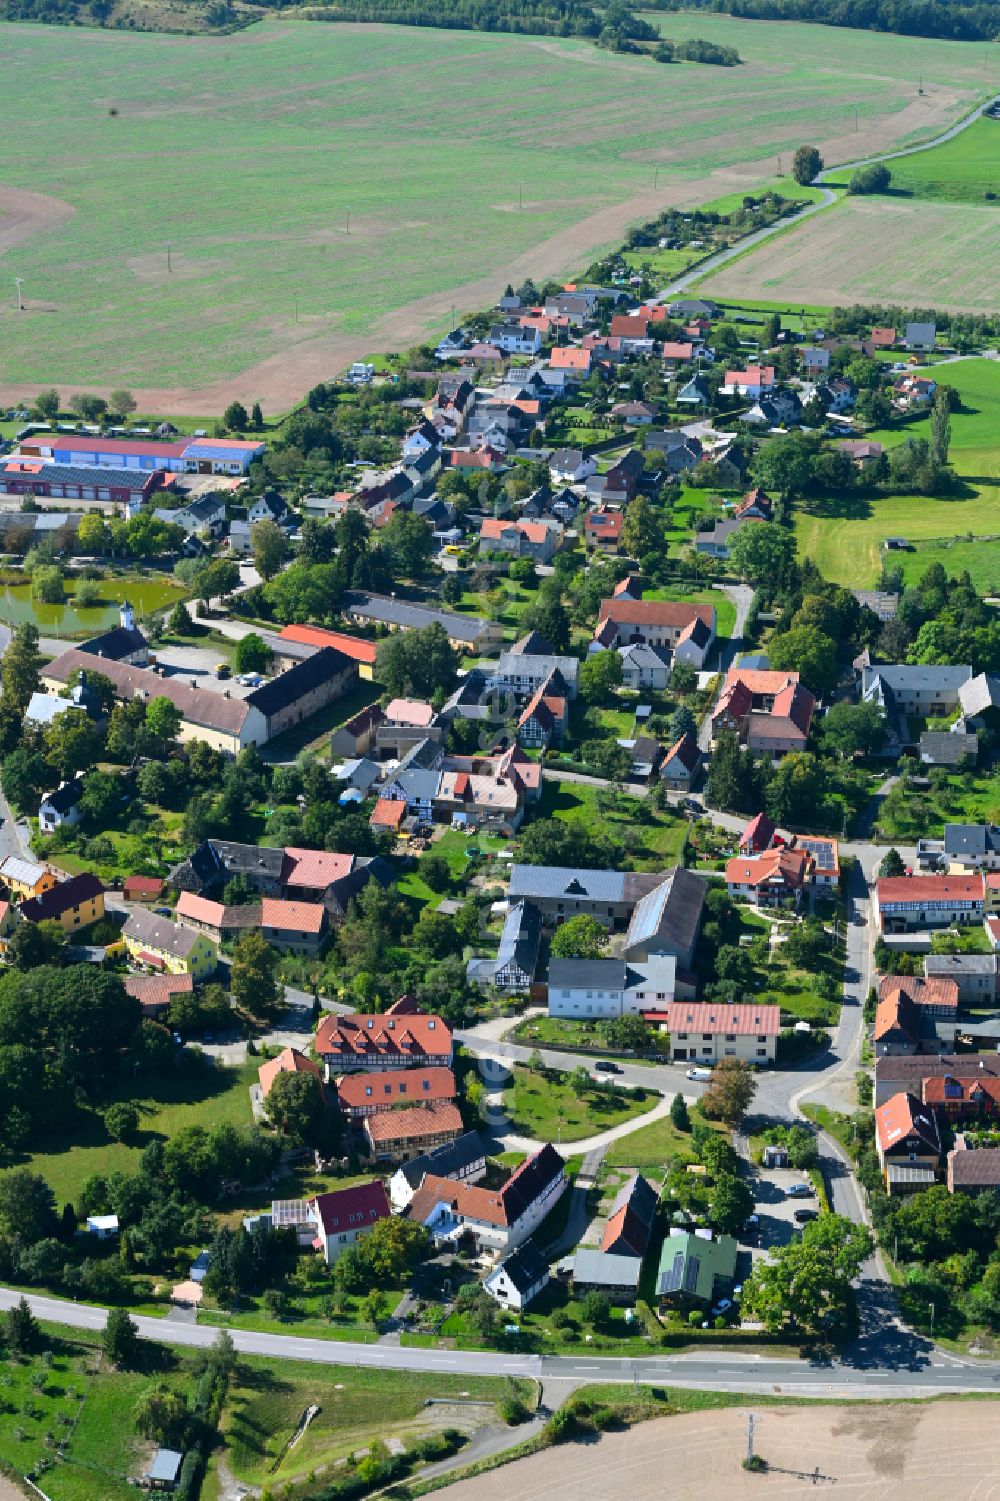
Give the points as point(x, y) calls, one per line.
point(802, 1215)
point(700, 1075)
point(799, 1191)
point(605, 1066)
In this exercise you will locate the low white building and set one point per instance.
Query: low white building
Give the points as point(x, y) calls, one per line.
point(600, 988)
point(707, 1031)
point(519, 1278)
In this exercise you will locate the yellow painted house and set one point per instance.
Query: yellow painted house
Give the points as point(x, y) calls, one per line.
point(74, 903)
point(168, 947)
point(25, 878)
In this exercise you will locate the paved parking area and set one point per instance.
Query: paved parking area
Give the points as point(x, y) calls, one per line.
point(774, 1209)
point(195, 666)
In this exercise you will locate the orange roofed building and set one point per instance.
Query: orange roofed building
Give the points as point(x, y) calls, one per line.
point(378, 1042)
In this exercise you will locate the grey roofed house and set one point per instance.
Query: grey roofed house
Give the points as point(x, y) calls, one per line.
point(979, 694)
point(43, 708)
point(155, 932)
point(322, 667)
point(668, 919)
point(471, 698)
point(116, 644)
point(401, 613)
point(948, 748)
point(976, 1169)
point(534, 644)
point(452, 1160)
point(535, 881)
point(971, 843)
point(692, 307)
point(218, 860)
point(919, 335)
point(882, 604)
point(716, 540)
point(525, 1267)
point(694, 392)
point(417, 785)
point(520, 941)
point(630, 1219)
point(599, 1269)
point(340, 893)
point(585, 974)
point(66, 797)
point(515, 666)
point(905, 678)
point(423, 755)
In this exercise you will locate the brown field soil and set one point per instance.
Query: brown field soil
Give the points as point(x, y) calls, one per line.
point(23, 214)
point(280, 380)
point(863, 1451)
point(852, 253)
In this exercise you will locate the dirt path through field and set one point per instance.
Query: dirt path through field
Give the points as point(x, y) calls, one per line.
point(863, 1451)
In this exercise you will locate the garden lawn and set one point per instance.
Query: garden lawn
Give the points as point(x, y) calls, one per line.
point(304, 1315)
point(356, 1407)
point(659, 843)
point(844, 535)
point(725, 610)
point(196, 1094)
point(965, 797)
point(650, 1146)
point(543, 1104)
point(104, 1450)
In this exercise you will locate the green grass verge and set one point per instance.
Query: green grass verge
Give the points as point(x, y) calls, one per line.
point(545, 1106)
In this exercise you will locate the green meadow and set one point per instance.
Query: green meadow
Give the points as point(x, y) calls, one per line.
point(844, 535)
point(311, 179)
point(963, 170)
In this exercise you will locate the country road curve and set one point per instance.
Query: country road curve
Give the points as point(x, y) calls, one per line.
point(723, 257)
point(912, 1367)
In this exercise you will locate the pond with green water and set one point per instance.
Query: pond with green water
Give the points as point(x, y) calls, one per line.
point(146, 594)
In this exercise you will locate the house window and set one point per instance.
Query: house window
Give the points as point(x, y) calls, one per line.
point(730, 1036)
point(761, 1039)
point(706, 1037)
point(762, 1052)
point(730, 1052)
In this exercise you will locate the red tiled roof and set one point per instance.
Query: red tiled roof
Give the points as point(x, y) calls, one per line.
point(384, 1090)
point(897, 1012)
point(922, 992)
point(758, 833)
point(760, 680)
point(904, 1116)
point(672, 350)
point(675, 613)
point(373, 1036)
point(388, 813)
point(626, 326)
point(314, 635)
point(288, 1061)
point(719, 1018)
point(154, 991)
point(351, 1208)
point(791, 866)
point(569, 358)
point(314, 868)
point(883, 338)
point(960, 1089)
point(686, 751)
point(292, 917)
point(930, 889)
point(124, 447)
point(141, 886)
point(200, 909)
point(413, 1123)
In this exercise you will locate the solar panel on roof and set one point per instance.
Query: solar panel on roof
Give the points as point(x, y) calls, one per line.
point(821, 852)
point(289, 1212)
point(691, 1274)
point(672, 1276)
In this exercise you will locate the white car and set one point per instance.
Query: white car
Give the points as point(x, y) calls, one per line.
point(700, 1075)
point(798, 1191)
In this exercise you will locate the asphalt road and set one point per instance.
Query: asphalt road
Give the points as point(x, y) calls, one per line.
point(914, 1368)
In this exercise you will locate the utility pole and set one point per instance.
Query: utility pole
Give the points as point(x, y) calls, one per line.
point(656, 178)
point(348, 221)
point(169, 267)
point(780, 172)
point(19, 282)
point(749, 1435)
point(296, 307)
point(520, 195)
point(931, 1307)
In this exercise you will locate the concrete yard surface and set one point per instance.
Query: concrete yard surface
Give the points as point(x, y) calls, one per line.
point(893, 1451)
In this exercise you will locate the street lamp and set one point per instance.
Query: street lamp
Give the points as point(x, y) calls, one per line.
point(931, 1307)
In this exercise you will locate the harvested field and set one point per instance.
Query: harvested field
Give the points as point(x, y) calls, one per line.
point(245, 154)
point(851, 253)
point(892, 1451)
